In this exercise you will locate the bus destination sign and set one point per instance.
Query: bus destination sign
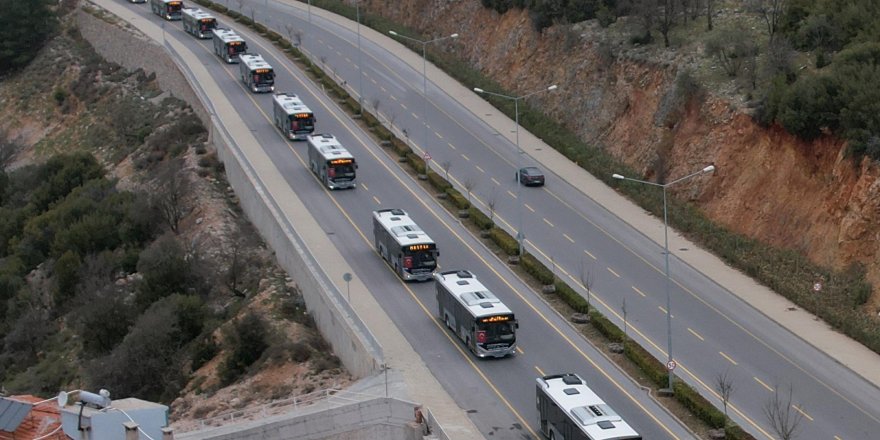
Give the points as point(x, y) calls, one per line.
point(263, 70)
point(340, 161)
point(419, 247)
point(498, 318)
point(302, 115)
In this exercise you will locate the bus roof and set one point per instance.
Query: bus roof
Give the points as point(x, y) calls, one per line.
point(198, 14)
point(585, 408)
point(253, 61)
point(291, 103)
point(399, 224)
point(471, 293)
point(329, 147)
point(227, 35)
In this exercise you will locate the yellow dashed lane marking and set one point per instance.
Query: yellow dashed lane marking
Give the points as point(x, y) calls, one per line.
point(529, 207)
point(496, 182)
point(798, 409)
point(548, 222)
point(728, 358)
point(466, 158)
point(540, 372)
point(377, 200)
point(480, 169)
point(638, 291)
point(567, 237)
point(613, 272)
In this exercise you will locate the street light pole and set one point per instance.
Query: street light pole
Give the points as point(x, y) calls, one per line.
point(357, 6)
point(520, 236)
point(424, 44)
point(669, 360)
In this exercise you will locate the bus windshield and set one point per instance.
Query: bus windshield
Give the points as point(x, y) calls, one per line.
point(173, 7)
point(207, 24)
point(420, 259)
point(236, 48)
point(340, 170)
point(302, 124)
point(264, 78)
point(498, 331)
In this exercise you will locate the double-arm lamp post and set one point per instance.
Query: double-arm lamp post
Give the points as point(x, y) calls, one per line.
point(670, 365)
point(520, 236)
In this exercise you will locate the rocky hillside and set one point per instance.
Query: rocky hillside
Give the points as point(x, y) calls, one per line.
point(637, 103)
point(106, 323)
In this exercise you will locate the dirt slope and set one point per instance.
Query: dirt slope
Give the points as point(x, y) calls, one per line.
point(771, 186)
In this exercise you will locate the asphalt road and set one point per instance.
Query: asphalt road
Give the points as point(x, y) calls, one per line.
point(498, 394)
point(713, 331)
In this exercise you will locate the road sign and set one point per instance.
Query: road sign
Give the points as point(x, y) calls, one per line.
point(427, 156)
point(671, 365)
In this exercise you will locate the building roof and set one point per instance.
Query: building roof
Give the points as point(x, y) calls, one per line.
point(42, 418)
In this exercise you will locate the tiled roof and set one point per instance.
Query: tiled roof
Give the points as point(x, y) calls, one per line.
point(40, 421)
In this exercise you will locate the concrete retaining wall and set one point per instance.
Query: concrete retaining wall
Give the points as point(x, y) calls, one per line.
point(352, 342)
point(381, 418)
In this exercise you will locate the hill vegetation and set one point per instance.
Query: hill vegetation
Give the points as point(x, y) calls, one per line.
point(125, 261)
point(837, 44)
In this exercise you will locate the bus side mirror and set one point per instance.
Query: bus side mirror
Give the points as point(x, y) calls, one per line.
point(516, 324)
point(355, 166)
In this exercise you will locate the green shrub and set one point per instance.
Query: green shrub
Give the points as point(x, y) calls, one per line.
point(417, 163)
point(205, 3)
point(503, 240)
point(698, 405)
point(571, 297)
point(261, 29)
point(245, 20)
point(66, 273)
point(653, 369)
point(537, 269)
point(438, 182)
point(247, 339)
point(221, 9)
point(612, 332)
point(400, 147)
point(457, 199)
point(370, 120)
point(233, 14)
point(204, 349)
point(274, 36)
point(481, 220)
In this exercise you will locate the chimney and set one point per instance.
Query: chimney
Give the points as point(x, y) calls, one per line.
point(167, 433)
point(131, 430)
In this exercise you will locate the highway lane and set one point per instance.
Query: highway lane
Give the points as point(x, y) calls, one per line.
point(500, 393)
point(713, 331)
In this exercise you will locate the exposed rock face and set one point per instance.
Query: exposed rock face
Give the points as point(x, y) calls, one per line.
point(806, 196)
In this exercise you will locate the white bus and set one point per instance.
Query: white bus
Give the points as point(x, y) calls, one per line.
point(198, 22)
point(569, 410)
point(256, 73)
point(485, 325)
point(228, 45)
point(292, 117)
point(402, 243)
point(332, 163)
point(167, 9)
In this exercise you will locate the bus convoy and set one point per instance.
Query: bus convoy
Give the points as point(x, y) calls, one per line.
point(567, 408)
point(198, 22)
point(167, 9)
point(295, 120)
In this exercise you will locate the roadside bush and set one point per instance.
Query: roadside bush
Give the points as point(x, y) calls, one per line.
point(247, 339)
point(261, 29)
point(698, 405)
point(274, 36)
point(507, 243)
point(417, 163)
point(204, 349)
point(571, 297)
point(457, 199)
point(438, 182)
point(103, 320)
point(809, 105)
point(400, 147)
point(653, 369)
point(165, 271)
point(606, 327)
point(481, 220)
point(537, 269)
point(66, 274)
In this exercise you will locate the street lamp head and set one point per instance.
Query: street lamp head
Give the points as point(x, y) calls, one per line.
point(453, 36)
point(709, 169)
point(392, 33)
point(478, 90)
point(553, 87)
point(618, 176)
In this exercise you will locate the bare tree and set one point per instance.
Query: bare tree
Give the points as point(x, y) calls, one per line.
point(588, 278)
point(709, 14)
point(771, 11)
point(783, 415)
point(8, 149)
point(235, 267)
point(446, 165)
point(646, 15)
point(169, 198)
point(240, 4)
point(724, 387)
point(469, 185)
point(667, 20)
point(376, 102)
point(492, 203)
point(730, 49)
point(293, 35)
